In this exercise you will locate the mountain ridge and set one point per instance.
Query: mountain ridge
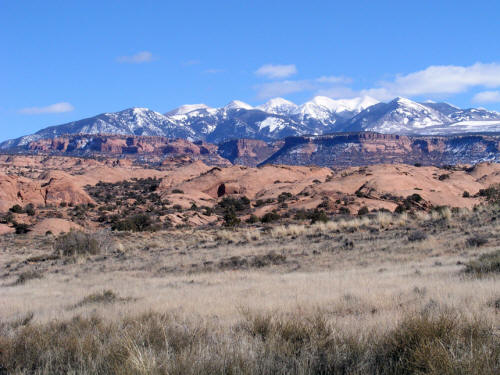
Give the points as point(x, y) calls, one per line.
point(279, 118)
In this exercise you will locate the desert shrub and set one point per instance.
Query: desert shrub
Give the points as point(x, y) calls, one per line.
point(21, 228)
point(235, 204)
point(314, 216)
point(417, 235)
point(429, 344)
point(77, 243)
point(105, 297)
point(363, 211)
point(485, 264)
point(252, 219)
point(28, 275)
point(491, 193)
point(414, 198)
point(443, 177)
point(136, 223)
point(318, 216)
point(271, 258)
point(177, 191)
point(231, 219)
point(30, 209)
point(466, 194)
point(284, 196)
point(344, 210)
point(269, 217)
point(16, 209)
point(261, 343)
point(476, 240)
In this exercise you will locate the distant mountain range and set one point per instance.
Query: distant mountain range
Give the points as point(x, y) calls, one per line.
point(279, 118)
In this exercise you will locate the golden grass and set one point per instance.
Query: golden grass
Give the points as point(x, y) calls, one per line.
point(362, 276)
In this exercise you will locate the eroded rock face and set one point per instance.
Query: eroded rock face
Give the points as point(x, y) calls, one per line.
point(131, 146)
point(334, 150)
point(248, 152)
point(19, 190)
point(356, 149)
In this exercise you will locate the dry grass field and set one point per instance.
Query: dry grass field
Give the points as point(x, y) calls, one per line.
point(378, 294)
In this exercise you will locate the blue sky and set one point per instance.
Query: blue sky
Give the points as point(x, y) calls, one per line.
point(66, 60)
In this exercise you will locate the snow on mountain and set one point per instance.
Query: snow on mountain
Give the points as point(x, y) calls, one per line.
point(272, 123)
point(280, 118)
point(278, 106)
point(237, 104)
point(189, 108)
point(398, 116)
point(132, 121)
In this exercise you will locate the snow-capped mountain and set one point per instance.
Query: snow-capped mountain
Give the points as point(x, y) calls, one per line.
point(132, 121)
point(398, 116)
point(279, 118)
point(278, 106)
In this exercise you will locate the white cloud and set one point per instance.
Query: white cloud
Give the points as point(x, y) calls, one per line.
point(280, 88)
point(191, 62)
point(138, 58)
point(53, 108)
point(438, 80)
point(276, 71)
point(214, 71)
point(487, 97)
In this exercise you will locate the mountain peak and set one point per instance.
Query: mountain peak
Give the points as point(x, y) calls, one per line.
point(187, 108)
point(278, 106)
point(237, 104)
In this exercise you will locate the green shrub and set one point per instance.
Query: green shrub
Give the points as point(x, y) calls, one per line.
point(16, 209)
point(231, 219)
point(136, 223)
point(30, 209)
point(235, 204)
point(252, 219)
point(269, 217)
point(363, 211)
point(284, 196)
point(21, 228)
point(491, 193)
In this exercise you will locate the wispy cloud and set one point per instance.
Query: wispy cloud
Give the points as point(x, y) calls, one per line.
point(280, 88)
point(138, 58)
point(440, 80)
point(53, 108)
point(487, 97)
point(276, 71)
point(191, 62)
point(214, 71)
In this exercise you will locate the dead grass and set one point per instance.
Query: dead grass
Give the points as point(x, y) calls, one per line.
point(441, 342)
point(349, 296)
